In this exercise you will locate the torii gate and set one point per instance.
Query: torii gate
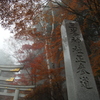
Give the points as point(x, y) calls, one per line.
point(9, 68)
point(16, 88)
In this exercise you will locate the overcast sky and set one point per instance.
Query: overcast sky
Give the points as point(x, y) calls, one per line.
point(4, 34)
point(4, 55)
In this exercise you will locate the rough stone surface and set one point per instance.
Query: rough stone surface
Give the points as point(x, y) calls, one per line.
point(79, 78)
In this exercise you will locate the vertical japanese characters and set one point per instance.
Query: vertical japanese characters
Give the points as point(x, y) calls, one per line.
point(79, 58)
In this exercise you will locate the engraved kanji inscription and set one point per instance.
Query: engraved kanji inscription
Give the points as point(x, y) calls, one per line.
point(79, 58)
point(82, 70)
point(85, 82)
point(77, 49)
point(75, 40)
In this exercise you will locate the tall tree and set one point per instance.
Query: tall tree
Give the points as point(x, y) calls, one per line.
point(41, 20)
point(40, 76)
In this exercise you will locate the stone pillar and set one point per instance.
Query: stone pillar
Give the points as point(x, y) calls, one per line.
point(79, 78)
point(16, 94)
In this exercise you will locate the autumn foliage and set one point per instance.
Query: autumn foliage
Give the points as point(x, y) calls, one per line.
point(40, 22)
point(95, 58)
